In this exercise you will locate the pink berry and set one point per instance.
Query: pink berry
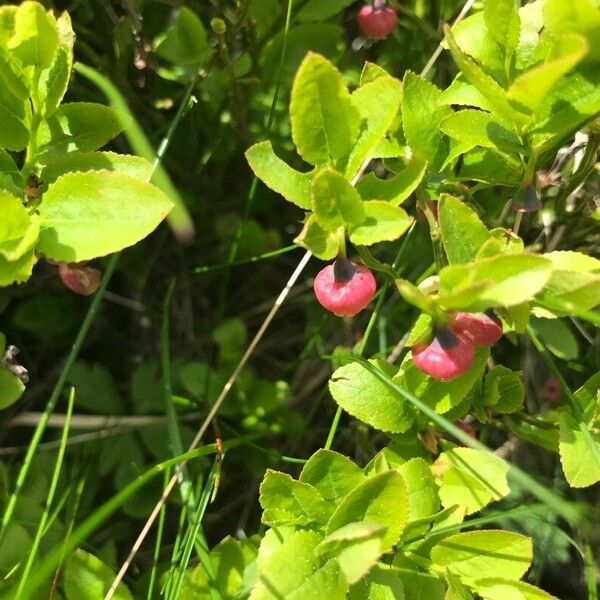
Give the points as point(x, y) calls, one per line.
point(344, 288)
point(551, 391)
point(446, 357)
point(481, 329)
point(376, 22)
point(79, 278)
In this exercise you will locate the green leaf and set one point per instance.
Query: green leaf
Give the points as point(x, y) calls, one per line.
point(497, 588)
point(423, 500)
point(489, 167)
point(278, 175)
point(18, 270)
point(473, 553)
point(294, 571)
point(384, 222)
point(396, 189)
point(14, 113)
point(531, 88)
point(333, 475)
point(557, 337)
point(489, 87)
point(441, 395)
point(474, 38)
point(377, 103)
point(35, 37)
point(421, 585)
point(11, 388)
point(566, 260)
point(471, 478)
point(573, 100)
point(579, 450)
point(88, 578)
point(479, 128)
point(286, 501)
point(79, 126)
point(503, 23)
point(335, 202)
point(230, 558)
point(15, 249)
point(421, 116)
point(365, 397)
point(54, 81)
point(85, 215)
point(512, 279)
point(381, 499)
point(381, 583)
point(15, 218)
point(503, 390)
point(576, 16)
point(323, 244)
point(134, 166)
point(356, 547)
point(13, 77)
point(579, 288)
point(96, 389)
point(532, 22)
point(462, 231)
point(324, 122)
point(185, 41)
point(463, 93)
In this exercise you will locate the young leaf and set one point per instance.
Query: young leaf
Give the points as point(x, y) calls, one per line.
point(396, 189)
point(496, 588)
point(463, 93)
point(503, 390)
point(134, 166)
point(441, 395)
point(365, 397)
point(14, 133)
point(421, 116)
point(286, 501)
point(323, 244)
point(471, 478)
point(490, 167)
point(579, 452)
point(278, 175)
point(514, 278)
point(88, 578)
point(475, 553)
point(305, 574)
point(383, 222)
point(557, 336)
point(85, 215)
point(333, 475)
point(335, 202)
point(382, 582)
point(356, 547)
point(462, 231)
point(15, 218)
point(377, 103)
point(35, 37)
point(82, 126)
point(11, 388)
point(423, 500)
point(489, 88)
point(17, 270)
point(381, 499)
point(324, 121)
point(503, 23)
point(531, 88)
point(481, 129)
point(13, 77)
point(53, 81)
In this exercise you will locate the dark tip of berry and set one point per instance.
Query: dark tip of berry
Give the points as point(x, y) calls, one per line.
point(445, 337)
point(343, 270)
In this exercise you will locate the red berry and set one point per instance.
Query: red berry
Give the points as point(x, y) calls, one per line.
point(481, 329)
point(376, 22)
point(446, 357)
point(79, 278)
point(344, 288)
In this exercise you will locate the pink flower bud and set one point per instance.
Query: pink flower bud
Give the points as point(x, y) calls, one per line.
point(79, 278)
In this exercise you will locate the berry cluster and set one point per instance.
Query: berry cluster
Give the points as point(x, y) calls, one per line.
point(451, 351)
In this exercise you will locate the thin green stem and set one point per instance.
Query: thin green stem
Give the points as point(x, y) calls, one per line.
point(49, 498)
point(158, 542)
point(590, 572)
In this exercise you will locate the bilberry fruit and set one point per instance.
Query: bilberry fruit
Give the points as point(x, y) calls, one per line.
point(481, 329)
point(376, 21)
